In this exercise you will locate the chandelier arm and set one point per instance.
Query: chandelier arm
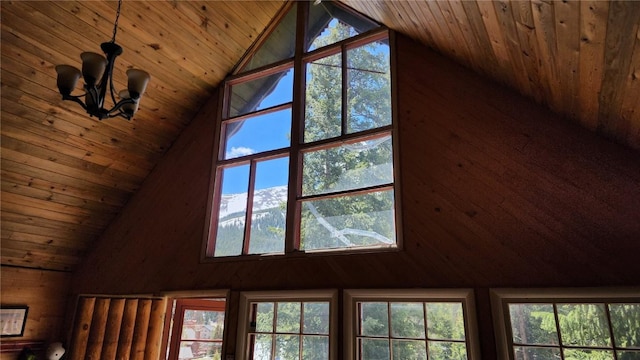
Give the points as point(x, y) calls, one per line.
point(76, 98)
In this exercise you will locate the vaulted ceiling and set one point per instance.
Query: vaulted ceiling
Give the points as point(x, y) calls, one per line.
point(65, 176)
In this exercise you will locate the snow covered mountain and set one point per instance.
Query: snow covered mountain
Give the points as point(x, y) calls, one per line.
point(264, 199)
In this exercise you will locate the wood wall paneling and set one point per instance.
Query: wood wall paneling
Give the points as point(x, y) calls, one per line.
point(46, 294)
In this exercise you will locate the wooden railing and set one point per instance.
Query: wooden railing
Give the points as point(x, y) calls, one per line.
point(117, 328)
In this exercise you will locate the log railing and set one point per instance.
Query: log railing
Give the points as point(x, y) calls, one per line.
point(117, 328)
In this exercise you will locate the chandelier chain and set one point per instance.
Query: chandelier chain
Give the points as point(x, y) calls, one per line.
point(115, 24)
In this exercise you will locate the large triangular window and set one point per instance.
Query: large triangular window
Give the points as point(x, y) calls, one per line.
point(305, 147)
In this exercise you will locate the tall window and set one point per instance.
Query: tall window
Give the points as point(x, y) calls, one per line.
point(287, 325)
point(569, 325)
point(305, 160)
point(410, 324)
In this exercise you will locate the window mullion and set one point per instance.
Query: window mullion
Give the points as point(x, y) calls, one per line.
point(249, 212)
point(345, 83)
point(297, 121)
point(555, 314)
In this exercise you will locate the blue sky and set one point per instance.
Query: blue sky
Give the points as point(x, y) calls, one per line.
point(262, 133)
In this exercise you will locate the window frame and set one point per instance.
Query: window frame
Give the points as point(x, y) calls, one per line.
point(249, 297)
point(298, 147)
point(465, 296)
point(501, 298)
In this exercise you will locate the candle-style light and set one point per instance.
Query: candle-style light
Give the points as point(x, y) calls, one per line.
point(97, 71)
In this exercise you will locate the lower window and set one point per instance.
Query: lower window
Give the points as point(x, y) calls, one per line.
point(287, 325)
point(409, 324)
point(196, 329)
point(568, 324)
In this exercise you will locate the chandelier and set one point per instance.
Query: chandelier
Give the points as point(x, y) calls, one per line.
point(97, 71)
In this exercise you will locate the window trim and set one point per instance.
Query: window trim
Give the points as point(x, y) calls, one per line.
point(466, 296)
point(247, 297)
point(500, 298)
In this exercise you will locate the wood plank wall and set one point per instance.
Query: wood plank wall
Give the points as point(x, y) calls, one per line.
point(497, 192)
point(46, 294)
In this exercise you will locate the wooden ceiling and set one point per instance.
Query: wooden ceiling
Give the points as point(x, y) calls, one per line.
point(65, 176)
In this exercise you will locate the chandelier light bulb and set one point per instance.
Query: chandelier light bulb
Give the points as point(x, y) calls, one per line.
point(97, 71)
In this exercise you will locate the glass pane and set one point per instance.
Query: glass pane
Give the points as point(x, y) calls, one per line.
point(625, 320)
point(329, 24)
point(445, 321)
point(628, 355)
point(374, 319)
point(315, 347)
point(348, 167)
point(409, 350)
point(316, 318)
point(368, 87)
point(348, 221)
point(202, 325)
point(200, 350)
point(185, 351)
point(407, 320)
point(287, 347)
point(533, 324)
point(323, 101)
point(233, 211)
point(537, 353)
point(269, 208)
point(279, 45)
point(257, 134)
point(261, 93)
point(584, 354)
point(264, 317)
point(374, 349)
point(262, 344)
point(288, 318)
point(441, 350)
point(583, 325)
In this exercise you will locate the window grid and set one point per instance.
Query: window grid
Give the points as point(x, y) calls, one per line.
point(297, 146)
point(390, 337)
point(314, 324)
point(614, 349)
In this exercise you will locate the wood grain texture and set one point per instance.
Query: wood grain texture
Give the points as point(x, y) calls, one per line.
point(66, 176)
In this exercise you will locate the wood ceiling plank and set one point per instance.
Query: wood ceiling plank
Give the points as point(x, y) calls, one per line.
point(136, 38)
point(64, 219)
point(506, 23)
point(448, 36)
point(623, 19)
point(39, 226)
point(479, 31)
point(76, 124)
point(143, 31)
point(13, 186)
point(32, 176)
point(497, 41)
point(526, 32)
point(593, 31)
point(22, 258)
point(543, 18)
point(52, 242)
point(18, 123)
point(106, 179)
point(630, 105)
point(567, 17)
point(454, 25)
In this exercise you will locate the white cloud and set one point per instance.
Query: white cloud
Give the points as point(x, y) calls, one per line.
point(239, 151)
